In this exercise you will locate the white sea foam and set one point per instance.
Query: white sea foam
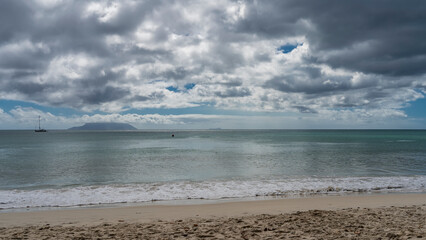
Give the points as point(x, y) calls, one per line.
point(136, 193)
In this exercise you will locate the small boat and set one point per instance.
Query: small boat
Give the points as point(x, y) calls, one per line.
point(39, 128)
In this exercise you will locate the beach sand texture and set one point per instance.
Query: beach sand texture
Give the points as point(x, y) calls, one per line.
point(355, 217)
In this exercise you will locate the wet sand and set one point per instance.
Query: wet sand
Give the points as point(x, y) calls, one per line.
point(389, 216)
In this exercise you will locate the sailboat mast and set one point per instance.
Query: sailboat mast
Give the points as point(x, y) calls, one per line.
point(39, 126)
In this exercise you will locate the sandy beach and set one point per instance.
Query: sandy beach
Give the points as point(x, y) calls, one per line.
point(388, 216)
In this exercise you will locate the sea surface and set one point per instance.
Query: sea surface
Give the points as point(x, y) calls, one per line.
point(84, 168)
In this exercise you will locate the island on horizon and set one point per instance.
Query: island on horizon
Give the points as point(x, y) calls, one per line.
point(105, 126)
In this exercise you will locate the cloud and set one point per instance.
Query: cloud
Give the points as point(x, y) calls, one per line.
point(309, 80)
point(268, 56)
point(27, 118)
point(233, 92)
point(383, 37)
point(304, 109)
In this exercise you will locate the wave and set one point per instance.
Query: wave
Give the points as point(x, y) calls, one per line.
point(146, 192)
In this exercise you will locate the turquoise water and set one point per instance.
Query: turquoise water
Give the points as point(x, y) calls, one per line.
point(67, 168)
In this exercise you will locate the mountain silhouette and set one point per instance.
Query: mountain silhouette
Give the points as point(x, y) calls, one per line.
point(104, 126)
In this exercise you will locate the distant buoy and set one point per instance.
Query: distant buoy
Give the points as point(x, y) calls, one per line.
point(173, 135)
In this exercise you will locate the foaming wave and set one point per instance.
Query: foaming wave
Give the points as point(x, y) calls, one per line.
point(138, 193)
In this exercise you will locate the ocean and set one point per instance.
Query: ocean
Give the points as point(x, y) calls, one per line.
point(86, 168)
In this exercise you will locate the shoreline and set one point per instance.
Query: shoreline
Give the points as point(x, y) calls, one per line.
point(194, 192)
point(196, 201)
point(163, 212)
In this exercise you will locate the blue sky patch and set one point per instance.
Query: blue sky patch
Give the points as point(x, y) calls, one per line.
point(287, 48)
point(189, 86)
point(8, 105)
point(172, 89)
point(175, 89)
point(417, 109)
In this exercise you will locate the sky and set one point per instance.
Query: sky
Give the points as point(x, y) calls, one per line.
point(164, 64)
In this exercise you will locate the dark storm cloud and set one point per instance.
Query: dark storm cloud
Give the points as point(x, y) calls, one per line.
point(178, 73)
point(24, 60)
point(221, 58)
point(294, 85)
point(142, 55)
point(97, 80)
point(18, 74)
point(273, 18)
point(380, 37)
point(231, 83)
point(308, 80)
point(30, 88)
point(233, 92)
point(376, 94)
point(106, 94)
point(15, 19)
point(152, 96)
point(33, 90)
